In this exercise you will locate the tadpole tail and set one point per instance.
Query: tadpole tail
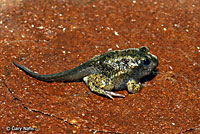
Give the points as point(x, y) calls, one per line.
point(74, 74)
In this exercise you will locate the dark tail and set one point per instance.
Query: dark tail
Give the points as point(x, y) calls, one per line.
point(74, 74)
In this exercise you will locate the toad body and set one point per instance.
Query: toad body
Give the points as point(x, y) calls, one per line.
point(108, 72)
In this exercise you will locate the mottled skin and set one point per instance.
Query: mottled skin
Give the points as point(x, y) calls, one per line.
point(114, 70)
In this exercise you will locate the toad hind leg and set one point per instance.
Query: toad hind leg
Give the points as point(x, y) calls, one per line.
point(100, 84)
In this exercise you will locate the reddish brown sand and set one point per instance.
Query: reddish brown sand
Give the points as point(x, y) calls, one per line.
point(50, 36)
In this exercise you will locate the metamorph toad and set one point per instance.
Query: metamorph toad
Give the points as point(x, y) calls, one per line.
point(111, 71)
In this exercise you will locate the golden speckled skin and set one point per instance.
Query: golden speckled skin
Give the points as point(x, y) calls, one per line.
point(114, 70)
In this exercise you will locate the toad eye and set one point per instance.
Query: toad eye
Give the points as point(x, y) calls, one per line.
point(144, 49)
point(146, 62)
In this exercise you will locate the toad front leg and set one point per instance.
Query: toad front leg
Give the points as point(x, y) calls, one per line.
point(133, 87)
point(100, 84)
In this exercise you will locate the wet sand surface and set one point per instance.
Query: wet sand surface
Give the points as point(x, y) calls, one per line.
point(55, 35)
